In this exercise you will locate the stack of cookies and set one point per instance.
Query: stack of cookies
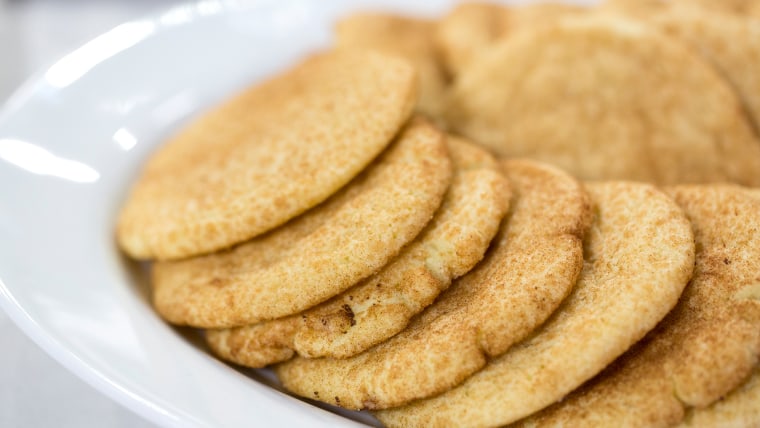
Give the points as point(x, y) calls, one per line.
point(538, 215)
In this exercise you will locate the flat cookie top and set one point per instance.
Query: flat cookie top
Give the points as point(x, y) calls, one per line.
point(471, 27)
point(729, 42)
point(407, 37)
point(584, 94)
point(266, 155)
point(639, 255)
point(707, 346)
point(481, 315)
point(382, 305)
point(319, 254)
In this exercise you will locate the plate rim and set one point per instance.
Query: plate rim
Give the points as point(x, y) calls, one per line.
point(124, 395)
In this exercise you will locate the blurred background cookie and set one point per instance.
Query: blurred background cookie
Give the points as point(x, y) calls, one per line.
point(410, 38)
point(471, 28)
point(607, 98)
point(728, 41)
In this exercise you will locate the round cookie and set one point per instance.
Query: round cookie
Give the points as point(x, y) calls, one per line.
point(471, 27)
point(706, 347)
point(739, 409)
point(731, 43)
point(406, 37)
point(639, 254)
point(266, 155)
point(499, 302)
point(584, 94)
point(382, 305)
point(321, 253)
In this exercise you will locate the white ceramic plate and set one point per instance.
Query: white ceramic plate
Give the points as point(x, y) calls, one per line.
point(72, 140)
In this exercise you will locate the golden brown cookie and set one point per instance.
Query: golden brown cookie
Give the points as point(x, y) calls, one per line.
point(256, 345)
point(606, 97)
point(747, 9)
point(639, 255)
point(706, 347)
point(634, 8)
point(453, 242)
point(530, 268)
point(266, 155)
point(468, 29)
point(382, 305)
point(739, 409)
point(320, 254)
point(406, 37)
point(472, 27)
point(741, 8)
point(731, 43)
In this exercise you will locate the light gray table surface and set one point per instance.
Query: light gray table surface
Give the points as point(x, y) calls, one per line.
point(36, 391)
